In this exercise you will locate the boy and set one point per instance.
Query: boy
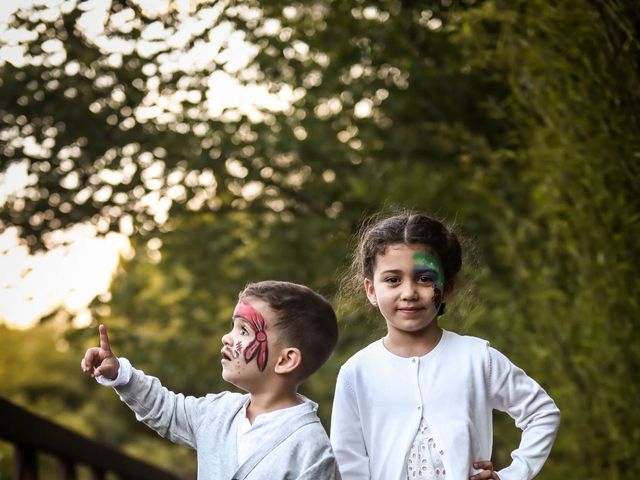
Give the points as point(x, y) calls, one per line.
point(282, 333)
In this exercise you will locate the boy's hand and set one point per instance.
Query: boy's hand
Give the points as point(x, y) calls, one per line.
point(488, 473)
point(101, 360)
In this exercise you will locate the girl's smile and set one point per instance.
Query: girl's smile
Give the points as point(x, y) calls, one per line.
point(410, 310)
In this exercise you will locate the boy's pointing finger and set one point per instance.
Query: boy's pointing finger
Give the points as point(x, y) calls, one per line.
point(104, 338)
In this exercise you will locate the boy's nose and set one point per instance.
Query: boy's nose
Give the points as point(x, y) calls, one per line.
point(226, 339)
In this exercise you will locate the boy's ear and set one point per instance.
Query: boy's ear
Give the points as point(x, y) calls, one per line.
point(288, 360)
point(370, 291)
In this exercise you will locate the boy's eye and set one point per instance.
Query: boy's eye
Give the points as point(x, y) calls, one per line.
point(244, 331)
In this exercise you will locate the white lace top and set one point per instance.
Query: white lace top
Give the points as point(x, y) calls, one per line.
point(424, 461)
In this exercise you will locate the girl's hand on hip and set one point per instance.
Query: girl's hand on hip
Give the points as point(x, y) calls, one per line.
point(488, 472)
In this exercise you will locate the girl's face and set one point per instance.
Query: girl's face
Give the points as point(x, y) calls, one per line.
point(407, 287)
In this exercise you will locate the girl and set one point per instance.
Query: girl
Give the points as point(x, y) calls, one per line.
point(417, 404)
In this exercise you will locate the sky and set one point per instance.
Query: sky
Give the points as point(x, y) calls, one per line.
point(81, 263)
point(78, 268)
point(69, 277)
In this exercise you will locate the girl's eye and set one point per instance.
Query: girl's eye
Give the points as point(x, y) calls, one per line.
point(425, 279)
point(392, 280)
point(244, 331)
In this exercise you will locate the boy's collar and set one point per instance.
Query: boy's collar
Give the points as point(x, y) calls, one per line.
point(305, 405)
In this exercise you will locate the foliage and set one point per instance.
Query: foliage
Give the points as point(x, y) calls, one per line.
point(517, 120)
point(575, 101)
point(39, 370)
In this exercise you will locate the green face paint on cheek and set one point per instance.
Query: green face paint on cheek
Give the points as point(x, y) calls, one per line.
point(430, 266)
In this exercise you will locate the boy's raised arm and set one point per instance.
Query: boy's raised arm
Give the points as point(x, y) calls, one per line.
point(164, 411)
point(101, 360)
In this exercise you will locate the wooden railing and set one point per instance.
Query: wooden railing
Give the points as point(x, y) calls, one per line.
point(31, 434)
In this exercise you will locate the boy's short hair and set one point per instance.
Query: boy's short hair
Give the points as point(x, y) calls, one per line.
point(306, 320)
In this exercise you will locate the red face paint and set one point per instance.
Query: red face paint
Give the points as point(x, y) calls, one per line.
point(258, 347)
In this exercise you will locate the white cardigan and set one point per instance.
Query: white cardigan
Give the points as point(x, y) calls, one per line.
point(381, 397)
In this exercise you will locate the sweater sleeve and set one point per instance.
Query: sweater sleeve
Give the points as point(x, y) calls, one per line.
point(346, 432)
point(324, 467)
point(172, 415)
point(533, 411)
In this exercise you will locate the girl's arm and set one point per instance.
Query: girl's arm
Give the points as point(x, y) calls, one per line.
point(346, 433)
point(533, 410)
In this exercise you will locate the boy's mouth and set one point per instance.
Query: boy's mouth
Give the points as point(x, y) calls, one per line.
point(226, 354)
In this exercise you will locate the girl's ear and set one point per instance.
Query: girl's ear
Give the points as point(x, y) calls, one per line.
point(288, 360)
point(370, 291)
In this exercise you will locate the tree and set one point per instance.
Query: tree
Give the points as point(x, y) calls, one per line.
point(517, 119)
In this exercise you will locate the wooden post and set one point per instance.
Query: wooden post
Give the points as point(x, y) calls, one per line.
point(66, 469)
point(97, 474)
point(25, 463)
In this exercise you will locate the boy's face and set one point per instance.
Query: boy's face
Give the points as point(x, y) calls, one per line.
point(245, 351)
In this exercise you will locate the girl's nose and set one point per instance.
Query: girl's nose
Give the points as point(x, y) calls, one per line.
point(409, 291)
point(226, 339)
